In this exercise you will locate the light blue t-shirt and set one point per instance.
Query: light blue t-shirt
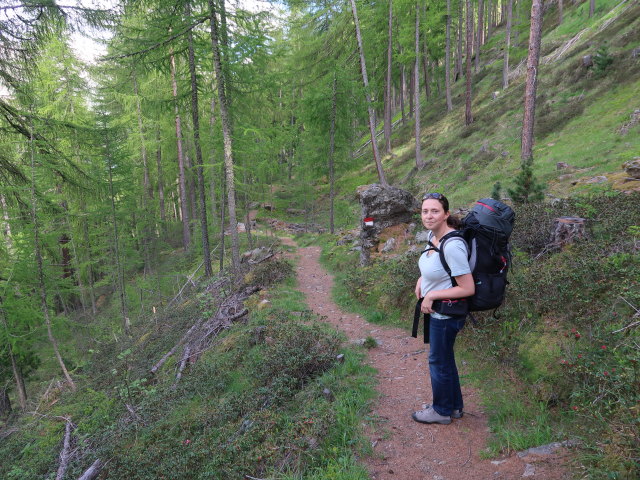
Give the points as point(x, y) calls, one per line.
point(434, 276)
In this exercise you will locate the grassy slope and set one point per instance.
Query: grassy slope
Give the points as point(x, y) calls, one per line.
point(245, 408)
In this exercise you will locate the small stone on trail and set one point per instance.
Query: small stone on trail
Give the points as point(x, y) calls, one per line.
point(340, 358)
point(498, 462)
point(529, 470)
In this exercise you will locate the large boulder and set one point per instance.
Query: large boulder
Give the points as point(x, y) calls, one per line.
point(385, 207)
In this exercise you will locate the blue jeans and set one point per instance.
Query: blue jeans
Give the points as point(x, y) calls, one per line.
point(445, 383)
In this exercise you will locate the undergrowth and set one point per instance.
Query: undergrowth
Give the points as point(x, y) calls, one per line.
point(253, 404)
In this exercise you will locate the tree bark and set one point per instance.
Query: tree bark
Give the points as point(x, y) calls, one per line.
point(468, 117)
point(416, 88)
point(560, 11)
point(163, 212)
point(332, 143)
point(460, 35)
point(212, 158)
point(365, 80)
point(227, 139)
point(38, 254)
point(479, 32)
point(195, 115)
point(387, 99)
point(592, 7)
point(116, 244)
point(19, 379)
point(403, 88)
point(489, 20)
point(147, 196)
point(447, 59)
point(93, 471)
point(535, 38)
point(507, 46)
point(184, 212)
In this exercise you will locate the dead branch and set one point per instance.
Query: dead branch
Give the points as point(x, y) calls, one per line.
point(189, 280)
point(133, 412)
point(631, 325)
point(93, 471)
point(184, 338)
point(183, 364)
point(418, 352)
point(65, 453)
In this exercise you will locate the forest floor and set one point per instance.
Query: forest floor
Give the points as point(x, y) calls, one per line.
point(402, 448)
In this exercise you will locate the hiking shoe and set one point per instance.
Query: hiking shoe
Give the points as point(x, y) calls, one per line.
point(429, 415)
point(455, 414)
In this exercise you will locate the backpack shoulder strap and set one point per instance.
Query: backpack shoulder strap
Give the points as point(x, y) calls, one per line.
point(445, 265)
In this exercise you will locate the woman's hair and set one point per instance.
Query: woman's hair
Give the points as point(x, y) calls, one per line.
point(452, 221)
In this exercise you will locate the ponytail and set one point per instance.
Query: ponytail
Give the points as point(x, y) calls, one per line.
point(454, 222)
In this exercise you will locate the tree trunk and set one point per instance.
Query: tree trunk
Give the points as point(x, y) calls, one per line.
point(447, 60)
point(460, 35)
point(195, 115)
point(479, 34)
point(489, 20)
point(227, 139)
point(387, 99)
point(468, 117)
point(365, 81)
point(19, 379)
point(560, 11)
point(184, 212)
point(411, 95)
point(87, 249)
point(147, 195)
point(223, 207)
point(507, 39)
point(416, 88)
point(403, 85)
point(592, 7)
point(116, 246)
point(38, 255)
point(535, 38)
point(332, 143)
point(212, 159)
point(163, 213)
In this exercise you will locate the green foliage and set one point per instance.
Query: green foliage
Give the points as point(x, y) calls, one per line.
point(370, 343)
point(496, 192)
point(602, 60)
point(527, 188)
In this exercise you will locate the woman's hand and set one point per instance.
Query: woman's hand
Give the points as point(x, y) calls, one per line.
point(427, 304)
point(418, 288)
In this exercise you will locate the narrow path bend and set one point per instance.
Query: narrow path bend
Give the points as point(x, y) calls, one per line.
point(404, 449)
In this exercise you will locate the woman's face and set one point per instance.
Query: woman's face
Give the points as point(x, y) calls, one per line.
point(433, 214)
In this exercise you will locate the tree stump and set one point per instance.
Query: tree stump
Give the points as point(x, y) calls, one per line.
point(567, 230)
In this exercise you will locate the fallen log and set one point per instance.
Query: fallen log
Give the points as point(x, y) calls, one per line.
point(93, 471)
point(65, 454)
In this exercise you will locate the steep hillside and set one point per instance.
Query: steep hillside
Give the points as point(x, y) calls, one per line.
point(586, 117)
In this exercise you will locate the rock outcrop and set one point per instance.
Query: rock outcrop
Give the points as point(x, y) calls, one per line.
point(383, 207)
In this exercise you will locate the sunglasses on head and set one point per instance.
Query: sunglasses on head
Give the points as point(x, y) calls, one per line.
point(435, 196)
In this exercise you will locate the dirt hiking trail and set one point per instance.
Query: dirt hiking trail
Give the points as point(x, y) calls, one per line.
point(403, 448)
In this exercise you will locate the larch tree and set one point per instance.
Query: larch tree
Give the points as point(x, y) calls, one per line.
point(468, 116)
point(365, 81)
point(533, 58)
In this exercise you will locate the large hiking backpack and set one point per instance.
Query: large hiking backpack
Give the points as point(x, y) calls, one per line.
point(486, 229)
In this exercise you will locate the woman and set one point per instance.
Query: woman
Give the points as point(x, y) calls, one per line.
point(435, 284)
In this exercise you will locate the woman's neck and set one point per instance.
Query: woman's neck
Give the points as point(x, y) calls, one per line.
point(441, 231)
